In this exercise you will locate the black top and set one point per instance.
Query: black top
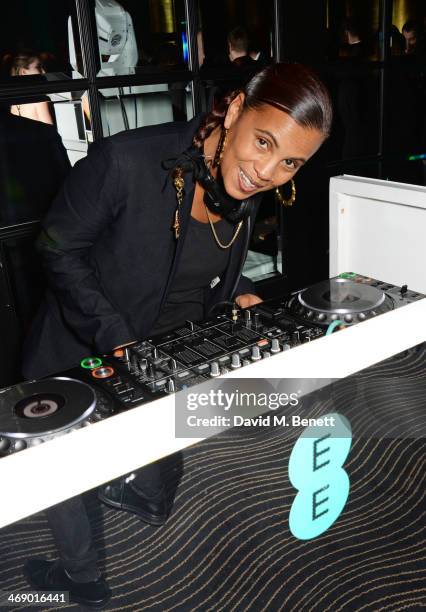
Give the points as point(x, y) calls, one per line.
point(201, 264)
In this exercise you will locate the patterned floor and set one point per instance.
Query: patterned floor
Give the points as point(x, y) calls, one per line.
point(227, 546)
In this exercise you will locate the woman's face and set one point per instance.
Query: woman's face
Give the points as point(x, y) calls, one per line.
point(265, 148)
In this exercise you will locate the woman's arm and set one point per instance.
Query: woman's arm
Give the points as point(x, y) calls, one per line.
point(87, 204)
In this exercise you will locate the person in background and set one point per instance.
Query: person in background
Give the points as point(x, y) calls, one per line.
point(257, 48)
point(26, 64)
point(237, 67)
point(397, 42)
point(354, 45)
point(33, 166)
point(238, 48)
point(200, 48)
point(414, 37)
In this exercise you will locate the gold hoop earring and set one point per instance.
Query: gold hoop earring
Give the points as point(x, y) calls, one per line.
point(220, 147)
point(281, 200)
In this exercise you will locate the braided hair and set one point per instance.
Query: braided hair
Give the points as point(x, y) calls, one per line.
point(213, 119)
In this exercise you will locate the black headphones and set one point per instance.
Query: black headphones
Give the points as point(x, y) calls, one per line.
point(215, 197)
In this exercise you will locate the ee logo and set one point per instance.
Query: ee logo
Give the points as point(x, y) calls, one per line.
point(315, 470)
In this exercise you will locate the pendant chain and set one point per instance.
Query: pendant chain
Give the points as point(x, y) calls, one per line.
point(216, 237)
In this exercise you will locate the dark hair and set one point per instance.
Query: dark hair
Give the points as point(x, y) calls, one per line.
point(292, 88)
point(15, 62)
point(238, 39)
point(412, 26)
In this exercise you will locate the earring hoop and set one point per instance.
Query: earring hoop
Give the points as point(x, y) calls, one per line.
point(220, 147)
point(283, 201)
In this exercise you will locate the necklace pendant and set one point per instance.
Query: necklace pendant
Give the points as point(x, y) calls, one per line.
point(176, 225)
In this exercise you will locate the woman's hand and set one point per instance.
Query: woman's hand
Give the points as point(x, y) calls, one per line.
point(247, 299)
point(118, 351)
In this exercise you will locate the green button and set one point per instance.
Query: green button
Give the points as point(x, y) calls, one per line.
point(89, 363)
point(347, 275)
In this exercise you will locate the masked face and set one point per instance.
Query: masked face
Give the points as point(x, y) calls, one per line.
point(265, 148)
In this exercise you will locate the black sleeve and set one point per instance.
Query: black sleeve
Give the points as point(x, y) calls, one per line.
point(245, 285)
point(88, 202)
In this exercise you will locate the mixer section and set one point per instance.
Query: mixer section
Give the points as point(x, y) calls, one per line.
point(194, 353)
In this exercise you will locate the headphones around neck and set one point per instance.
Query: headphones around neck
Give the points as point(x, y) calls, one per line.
point(215, 197)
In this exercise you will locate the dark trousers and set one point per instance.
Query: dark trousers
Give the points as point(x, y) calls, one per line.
point(73, 534)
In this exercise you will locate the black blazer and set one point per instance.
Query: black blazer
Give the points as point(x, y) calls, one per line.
point(109, 250)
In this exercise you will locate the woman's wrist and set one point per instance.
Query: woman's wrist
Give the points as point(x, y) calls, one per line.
point(118, 350)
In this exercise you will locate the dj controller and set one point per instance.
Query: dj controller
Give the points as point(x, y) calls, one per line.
point(100, 386)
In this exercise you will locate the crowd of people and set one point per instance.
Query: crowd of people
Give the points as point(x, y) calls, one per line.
point(356, 40)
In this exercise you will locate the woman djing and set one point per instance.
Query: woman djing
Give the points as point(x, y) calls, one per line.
point(150, 230)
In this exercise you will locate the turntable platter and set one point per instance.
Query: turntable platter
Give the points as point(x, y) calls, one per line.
point(45, 407)
point(339, 299)
point(341, 296)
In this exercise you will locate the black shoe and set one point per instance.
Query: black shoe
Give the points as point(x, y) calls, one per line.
point(45, 575)
point(123, 496)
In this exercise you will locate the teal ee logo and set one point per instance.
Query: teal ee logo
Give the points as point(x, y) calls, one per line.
point(315, 470)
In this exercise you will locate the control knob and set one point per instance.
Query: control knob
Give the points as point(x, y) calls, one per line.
point(275, 346)
point(4, 444)
point(171, 388)
point(214, 369)
point(255, 353)
point(236, 361)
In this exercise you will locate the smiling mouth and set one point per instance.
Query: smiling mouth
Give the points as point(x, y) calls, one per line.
point(246, 181)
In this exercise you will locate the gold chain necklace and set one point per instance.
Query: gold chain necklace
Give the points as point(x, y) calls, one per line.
point(216, 237)
point(179, 184)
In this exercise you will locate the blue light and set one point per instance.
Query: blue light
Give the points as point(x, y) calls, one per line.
point(415, 157)
point(185, 46)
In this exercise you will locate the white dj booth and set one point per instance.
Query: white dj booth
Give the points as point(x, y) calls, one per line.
point(377, 229)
